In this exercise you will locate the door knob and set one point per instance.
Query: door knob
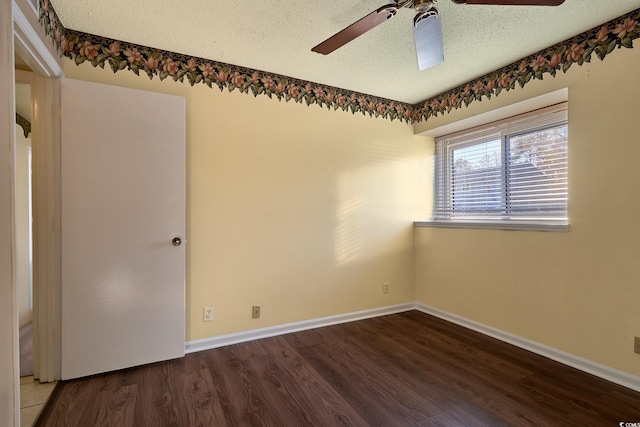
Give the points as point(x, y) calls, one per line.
point(176, 241)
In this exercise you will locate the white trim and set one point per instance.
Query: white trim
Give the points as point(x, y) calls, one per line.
point(29, 44)
point(287, 328)
point(28, 40)
point(46, 217)
point(35, 6)
point(602, 371)
point(527, 226)
point(9, 323)
point(610, 374)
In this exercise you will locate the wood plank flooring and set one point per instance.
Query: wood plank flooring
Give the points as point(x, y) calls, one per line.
point(407, 369)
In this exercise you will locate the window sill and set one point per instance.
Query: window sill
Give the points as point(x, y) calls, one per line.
point(525, 226)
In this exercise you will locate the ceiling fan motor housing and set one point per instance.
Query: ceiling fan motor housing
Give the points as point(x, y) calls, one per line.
point(422, 5)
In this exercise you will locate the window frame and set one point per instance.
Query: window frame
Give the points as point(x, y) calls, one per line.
point(443, 210)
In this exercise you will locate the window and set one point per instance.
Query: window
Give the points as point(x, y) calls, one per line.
point(508, 174)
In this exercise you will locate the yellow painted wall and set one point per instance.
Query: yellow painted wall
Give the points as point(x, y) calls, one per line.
point(307, 212)
point(576, 291)
point(301, 210)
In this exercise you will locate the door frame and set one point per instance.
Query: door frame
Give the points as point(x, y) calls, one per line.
point(22, 34)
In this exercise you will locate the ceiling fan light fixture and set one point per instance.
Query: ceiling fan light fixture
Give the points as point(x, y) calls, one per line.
point(432, 12)
point(427, 32)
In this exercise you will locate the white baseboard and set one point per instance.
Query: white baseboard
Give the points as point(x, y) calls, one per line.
point(615, 376)
point(610, 374)
point(255, 334)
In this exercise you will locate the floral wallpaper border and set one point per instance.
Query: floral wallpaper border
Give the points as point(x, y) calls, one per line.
point(119, 55)
point(601, 40)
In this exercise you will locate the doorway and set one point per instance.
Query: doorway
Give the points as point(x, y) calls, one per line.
point(24, 37)
point(24, 218)
point(33, 393)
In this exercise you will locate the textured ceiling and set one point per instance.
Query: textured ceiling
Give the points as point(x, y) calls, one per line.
point(277, 36)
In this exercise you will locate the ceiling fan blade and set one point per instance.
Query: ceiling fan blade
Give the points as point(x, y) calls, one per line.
point(427, 32)
point(513, 2)
point(356, 29)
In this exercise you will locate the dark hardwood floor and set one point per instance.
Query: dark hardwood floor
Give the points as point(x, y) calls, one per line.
point(407, 369)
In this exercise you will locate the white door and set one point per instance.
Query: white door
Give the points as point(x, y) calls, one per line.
point(123, 204)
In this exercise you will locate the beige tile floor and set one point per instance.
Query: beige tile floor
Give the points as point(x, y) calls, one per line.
point(33, 397)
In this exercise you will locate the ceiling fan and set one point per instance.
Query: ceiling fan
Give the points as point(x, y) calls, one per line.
point(427, 30)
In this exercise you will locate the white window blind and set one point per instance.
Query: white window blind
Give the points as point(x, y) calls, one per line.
point(514, 170)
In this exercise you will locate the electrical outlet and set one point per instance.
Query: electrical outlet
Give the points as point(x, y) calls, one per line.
point(636, 345)
point(385, 288)
point(207, 313)
point(255, 312)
